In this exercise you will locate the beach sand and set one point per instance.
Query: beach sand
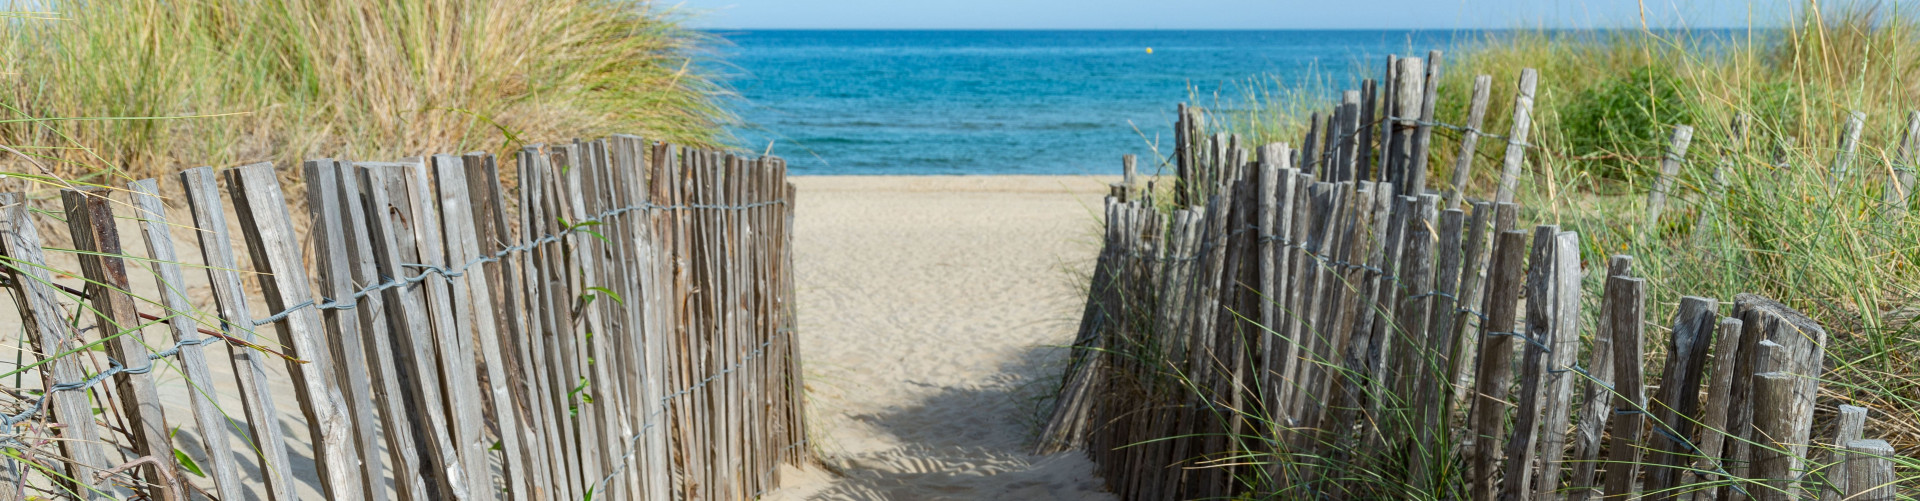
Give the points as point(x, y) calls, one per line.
point(932, 311)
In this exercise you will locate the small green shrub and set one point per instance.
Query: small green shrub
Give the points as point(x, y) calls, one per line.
point(1625, 116)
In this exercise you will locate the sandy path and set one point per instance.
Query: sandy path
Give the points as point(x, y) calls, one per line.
point(931, 311)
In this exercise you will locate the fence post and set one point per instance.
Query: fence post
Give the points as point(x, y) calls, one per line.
point(51, 335)
point(276, 251)
point(391, 230)
point(90, 218)
point(1870, 471)
point(1545, 348)
point(1495, 378)
point(1715, 423)
point(1899, 192)
point(1565, 329)
point(1669, 167)
point(1408, 86)
point(1678, 403)
point(1597, 408)
point(1847, 429)
point(216, 248)
point(1469, 140)
point(1774, 461)
point(377, 335)
point(1472, 278)
point(461, 215)
point(1423, 134)
point(158, 236)
point(1627, 298)
point(1516, 155)
point(346, 345)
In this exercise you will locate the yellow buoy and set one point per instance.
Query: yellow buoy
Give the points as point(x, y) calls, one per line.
point(1149, 50)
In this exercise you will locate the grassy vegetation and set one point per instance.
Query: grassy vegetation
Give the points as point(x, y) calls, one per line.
point(146, 87)
point(1784, 225)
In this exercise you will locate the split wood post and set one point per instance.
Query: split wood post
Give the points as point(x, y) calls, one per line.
point(377, 337)
point(1847, 429)
point(1543, 284)
point(1270, 246)
point(1387, 113)
point(346, 348)
point(1437, 372)
point(1282, 353)
point(1469, 140)
point(1408, 84)
point(1307, 221)
point(1350, 137)
point(1669, 167)
point(548, 305)
point(1367, 302)
point(1597, 407)
point(1472, 278)
point(1627, 298)
point(276, 251)
point(1415, 305)
point(1802, 353)
point(492, 233)
point(1495, 375)
point(157, 234)
point(1775, 464)
point(1310, 146)
point(1446, 292)
point(1677, 404)
point(1369, 115)
point(1128, 172)
point(216, 249)
point(1348, 296)
point(1386, 332)
point(1898, 195)
point(1870, 471)
point(90, 219)
point(1423, 136)
point(464, 253)
point(52, 336)
point(1558, 391)
point(451, 330)
point(1516, 155)
point(1182, 155)
point(1714, 423)
point(1849, 144)
point(391, 227)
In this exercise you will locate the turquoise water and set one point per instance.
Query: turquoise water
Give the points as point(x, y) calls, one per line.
point(1011, 102)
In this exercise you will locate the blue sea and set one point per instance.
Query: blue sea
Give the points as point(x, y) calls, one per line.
point(1014, 102)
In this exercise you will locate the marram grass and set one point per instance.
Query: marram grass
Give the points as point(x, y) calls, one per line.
point(144, 87)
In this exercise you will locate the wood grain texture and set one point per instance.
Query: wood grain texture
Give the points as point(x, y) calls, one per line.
point(277, 255)
point(156, 233)
point(216, 249)
point(49, 333)
point(1495, 375)
point(1626, 297)
point(90, 219)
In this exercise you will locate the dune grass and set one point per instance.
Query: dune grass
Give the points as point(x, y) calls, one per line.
point(143, 87)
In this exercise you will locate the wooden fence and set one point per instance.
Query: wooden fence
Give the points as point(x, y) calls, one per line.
point(1304, 325)
point(620, 328)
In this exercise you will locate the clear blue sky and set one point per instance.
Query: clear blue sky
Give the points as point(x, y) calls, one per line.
point(1228, 14)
